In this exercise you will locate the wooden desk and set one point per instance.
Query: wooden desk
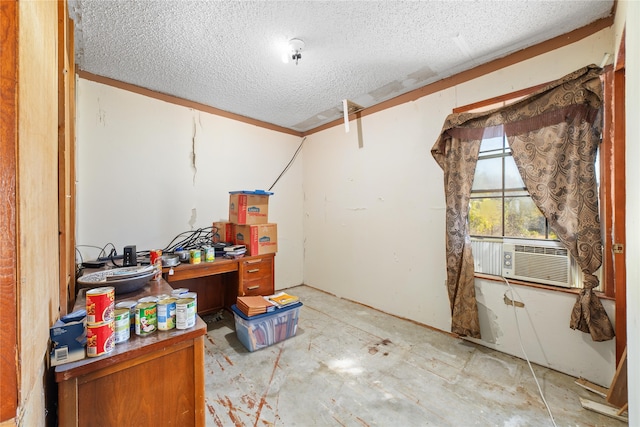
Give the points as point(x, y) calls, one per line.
point(146, 381)
point(219, 283)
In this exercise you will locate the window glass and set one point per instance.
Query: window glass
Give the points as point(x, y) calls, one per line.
point(488, 174)
point(485, 217)
point(523, 219)
point(512, 178)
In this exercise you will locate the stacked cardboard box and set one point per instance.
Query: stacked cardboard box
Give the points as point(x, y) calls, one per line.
point(249, 223)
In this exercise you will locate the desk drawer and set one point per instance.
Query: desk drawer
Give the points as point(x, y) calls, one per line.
point(256, 277)
point(255, 269)
point(256, 287)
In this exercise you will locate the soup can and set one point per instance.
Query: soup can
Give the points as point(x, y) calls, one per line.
point(131, 306)
point(100, 338)
point(155, 259)
point(185, 313)
point(100, 304)
point(179, 291)
point(122, 325)
point(195, 256)
point(167, 313)
point(146, 318)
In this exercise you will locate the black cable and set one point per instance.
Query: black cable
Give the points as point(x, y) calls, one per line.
point(102, 250)
point(191, 239)
point(286, 168)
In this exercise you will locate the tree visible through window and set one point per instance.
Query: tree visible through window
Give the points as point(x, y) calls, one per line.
point(500, 204)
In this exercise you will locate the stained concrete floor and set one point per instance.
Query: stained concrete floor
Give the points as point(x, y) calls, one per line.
point(349, 365)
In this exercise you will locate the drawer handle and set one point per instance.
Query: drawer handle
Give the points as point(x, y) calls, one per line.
point(253, 288)
point(253, 270)
point(253, 261)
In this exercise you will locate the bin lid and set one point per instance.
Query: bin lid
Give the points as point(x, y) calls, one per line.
point(237, 311)
point(254, 192)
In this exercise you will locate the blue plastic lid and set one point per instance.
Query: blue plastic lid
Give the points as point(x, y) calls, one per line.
point(254, 192)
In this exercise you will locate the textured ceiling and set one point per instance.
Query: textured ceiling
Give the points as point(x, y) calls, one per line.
point(228, 54)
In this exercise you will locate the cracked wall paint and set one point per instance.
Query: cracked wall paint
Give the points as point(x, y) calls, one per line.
point(194, 168)
point(101, 115)
point(193, 219)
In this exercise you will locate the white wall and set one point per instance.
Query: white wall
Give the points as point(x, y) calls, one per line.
point(137, 184)
point(371, 201)
point(375, 222)
point(632, 248)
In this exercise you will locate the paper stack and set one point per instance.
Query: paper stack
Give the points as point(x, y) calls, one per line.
point(253, 305)
point(283, 299)
point(235, 251)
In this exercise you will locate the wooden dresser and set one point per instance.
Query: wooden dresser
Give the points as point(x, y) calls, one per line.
point(147, 381)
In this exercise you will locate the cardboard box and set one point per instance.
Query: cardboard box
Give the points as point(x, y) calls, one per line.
point(249, 207)
point(222, 232)
point(263, 330)
point(68, 338)
point(259, 239)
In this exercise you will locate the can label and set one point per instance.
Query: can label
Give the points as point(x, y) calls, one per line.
point(167, 314)
point(131, 306)
point(100, 338)
point(155, 259)
point(178, 292)
point(146, 318)
point(185, 313)
point(195, 256)
point(100, 304)
point(209, 254)
point(122, 325)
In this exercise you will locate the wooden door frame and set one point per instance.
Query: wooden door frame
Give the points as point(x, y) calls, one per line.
point(8, 226)
point(619, 198)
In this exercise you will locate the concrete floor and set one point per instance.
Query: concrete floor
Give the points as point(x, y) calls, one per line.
point(350, 365)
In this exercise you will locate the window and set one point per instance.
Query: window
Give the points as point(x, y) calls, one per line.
point(500, 203)
point(502, 213)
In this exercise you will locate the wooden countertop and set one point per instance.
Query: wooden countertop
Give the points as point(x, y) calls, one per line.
point(136, 345)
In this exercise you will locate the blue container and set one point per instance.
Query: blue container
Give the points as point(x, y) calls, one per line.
point(263, 330)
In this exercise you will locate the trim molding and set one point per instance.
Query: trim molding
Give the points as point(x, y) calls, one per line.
point(183, 102)
point(473, 73)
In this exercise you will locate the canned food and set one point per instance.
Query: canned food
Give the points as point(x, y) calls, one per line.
point(179, 291)
point(100, 338)
point(155, 259)
point(195, 256)
point(122, 325)
point(195, 300)
point(131, 306)
point(100, 304)
point(209, 254)
point(167, 313)
point(146, 318)
point(148, 299)
point(185, 313)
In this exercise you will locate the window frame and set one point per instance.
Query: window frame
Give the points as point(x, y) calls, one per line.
point(609, 178)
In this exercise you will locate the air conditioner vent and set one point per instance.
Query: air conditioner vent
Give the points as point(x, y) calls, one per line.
point(546, 263)
point(541, 250)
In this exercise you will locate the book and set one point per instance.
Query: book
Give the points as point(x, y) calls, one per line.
point(283, 299)
point(253, 305)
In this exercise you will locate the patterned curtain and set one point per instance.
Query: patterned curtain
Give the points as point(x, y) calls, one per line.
point(553, 135)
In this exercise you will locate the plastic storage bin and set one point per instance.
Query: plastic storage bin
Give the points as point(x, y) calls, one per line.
point(263, 330)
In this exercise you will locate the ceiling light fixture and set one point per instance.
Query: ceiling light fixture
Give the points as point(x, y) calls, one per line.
point(295, 50)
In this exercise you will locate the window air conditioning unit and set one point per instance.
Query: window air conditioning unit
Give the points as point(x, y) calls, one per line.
point(537, 261)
